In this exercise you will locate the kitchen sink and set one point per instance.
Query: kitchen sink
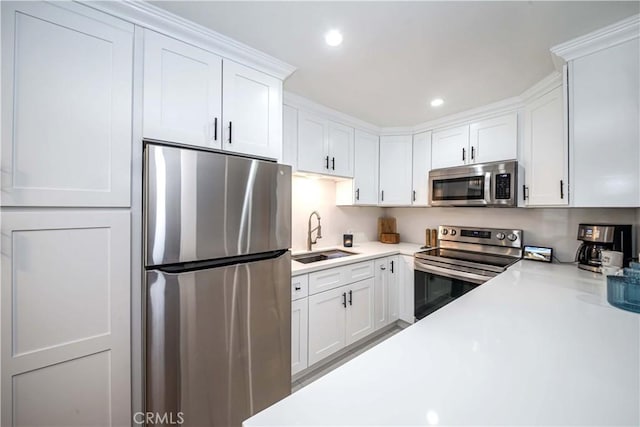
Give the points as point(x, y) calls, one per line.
point(321, 256)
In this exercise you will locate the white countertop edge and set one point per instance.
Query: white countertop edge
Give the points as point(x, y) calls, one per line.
point(364, 251)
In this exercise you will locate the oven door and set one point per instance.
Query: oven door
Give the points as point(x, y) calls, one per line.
point(436, 287)
point(472, 188)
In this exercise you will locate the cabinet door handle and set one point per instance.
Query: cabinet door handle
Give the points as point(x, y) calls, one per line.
point(473, 153)
point(357, 194)
point(230, 132)
point(392, 266)
point(524, 192)
point(344, 299)
point(215, 128)
point(333, 163)
point(464, 154)
point(383, 195)
point(350, 297)
point(326, 162)
point(382, 267)
point(561, 189)
point(297, 288)
point(414, 195)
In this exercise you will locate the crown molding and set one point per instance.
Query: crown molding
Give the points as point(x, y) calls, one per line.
point(545, 85)
point(611, 35)
point(154, 18)
point(297, 101)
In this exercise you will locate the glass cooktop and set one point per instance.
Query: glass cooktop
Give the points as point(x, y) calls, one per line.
point(453, 255)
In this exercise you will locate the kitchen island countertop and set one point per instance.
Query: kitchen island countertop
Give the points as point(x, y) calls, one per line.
point(537, 345)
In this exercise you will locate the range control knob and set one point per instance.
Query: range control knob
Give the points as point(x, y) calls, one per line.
point(512, 237)
point(452, 232)
point(445, 231)
point(500, 236)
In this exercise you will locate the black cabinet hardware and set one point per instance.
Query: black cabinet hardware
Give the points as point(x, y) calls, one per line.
point(230, 132)
point(473, 153)
point(392, 266)
point(524, 192)
point(344, 299)
point(215, 128)
point(333, 163)
point(383, 195)
point(414, 195)
point(326, 162)
point(350, 297)
point(357, 194)
point(464, 154)
point(561, 189)
point(297, 288)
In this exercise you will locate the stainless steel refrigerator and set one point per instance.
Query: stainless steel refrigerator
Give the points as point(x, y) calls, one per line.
point(218, 284)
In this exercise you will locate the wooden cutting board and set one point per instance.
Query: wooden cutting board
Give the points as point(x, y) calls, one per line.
point(387, 230)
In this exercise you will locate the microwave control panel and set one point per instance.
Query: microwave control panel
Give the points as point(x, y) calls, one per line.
point(503, 186)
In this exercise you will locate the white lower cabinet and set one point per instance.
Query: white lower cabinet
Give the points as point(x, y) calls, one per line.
point(386, 305)
point(327, 323)
point(341, 316)
point(65, 325)
point(299, 330)
point(406, 288)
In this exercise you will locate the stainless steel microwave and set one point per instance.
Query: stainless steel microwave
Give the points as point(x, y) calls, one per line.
point(484, 184)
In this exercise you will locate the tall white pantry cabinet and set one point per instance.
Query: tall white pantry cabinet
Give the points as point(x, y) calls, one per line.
point(73, 115)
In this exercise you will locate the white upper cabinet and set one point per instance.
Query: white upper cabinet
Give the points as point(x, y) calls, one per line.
point(313, 136)
point(341, 141)
point(363, 189)
point(252, 111)
point(324, 147)
point(395, 170)
point(67, 73)
point(604, 99)
point(450, 147)
point(493, 140)
point(192, 97)
point(482, 141)
point(421, 167)
point(182, 92)
point(545, 153)
point(366, 169)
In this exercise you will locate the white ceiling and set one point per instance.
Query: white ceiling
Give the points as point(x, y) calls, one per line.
point(397, 56)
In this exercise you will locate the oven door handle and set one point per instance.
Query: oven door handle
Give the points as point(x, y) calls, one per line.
point(453, 274)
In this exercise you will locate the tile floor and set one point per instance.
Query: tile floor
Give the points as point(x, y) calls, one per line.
point(325, 369)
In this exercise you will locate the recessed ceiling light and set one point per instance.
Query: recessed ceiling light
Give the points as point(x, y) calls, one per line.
point(333, 38)
point(437, 102)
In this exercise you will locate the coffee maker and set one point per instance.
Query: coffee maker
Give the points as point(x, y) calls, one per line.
point(598, 237)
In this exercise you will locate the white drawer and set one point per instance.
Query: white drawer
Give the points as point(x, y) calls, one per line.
point(359, 271)
point(324, 280)
point(299, 287)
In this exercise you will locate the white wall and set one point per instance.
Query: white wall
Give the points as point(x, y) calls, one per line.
point(556, 228)
point(309, 194)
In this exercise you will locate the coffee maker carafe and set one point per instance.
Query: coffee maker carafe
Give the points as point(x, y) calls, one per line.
point(598, 237)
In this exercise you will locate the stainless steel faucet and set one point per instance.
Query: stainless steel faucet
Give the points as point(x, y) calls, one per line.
point(310, 231)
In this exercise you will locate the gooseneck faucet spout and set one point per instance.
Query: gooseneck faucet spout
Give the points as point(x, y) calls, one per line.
point(310, 231)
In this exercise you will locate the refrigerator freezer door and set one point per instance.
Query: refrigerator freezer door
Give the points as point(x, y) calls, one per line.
point(219, 341)
point(202, 205)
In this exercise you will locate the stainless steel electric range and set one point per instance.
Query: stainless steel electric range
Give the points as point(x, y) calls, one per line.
point(465, 258)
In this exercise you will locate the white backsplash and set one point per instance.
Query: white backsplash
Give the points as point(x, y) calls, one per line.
point(313, 194)
point(556, 227)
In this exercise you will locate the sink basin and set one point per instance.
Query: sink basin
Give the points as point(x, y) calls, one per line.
point(321, 256)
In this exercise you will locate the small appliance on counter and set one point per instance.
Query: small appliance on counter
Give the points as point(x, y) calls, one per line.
point(347, 240)
point(602, 237)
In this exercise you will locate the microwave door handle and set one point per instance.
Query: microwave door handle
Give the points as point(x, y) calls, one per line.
point(488, 195)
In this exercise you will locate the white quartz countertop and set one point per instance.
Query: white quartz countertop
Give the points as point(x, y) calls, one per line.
point(537, 345)
point(364, 251)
